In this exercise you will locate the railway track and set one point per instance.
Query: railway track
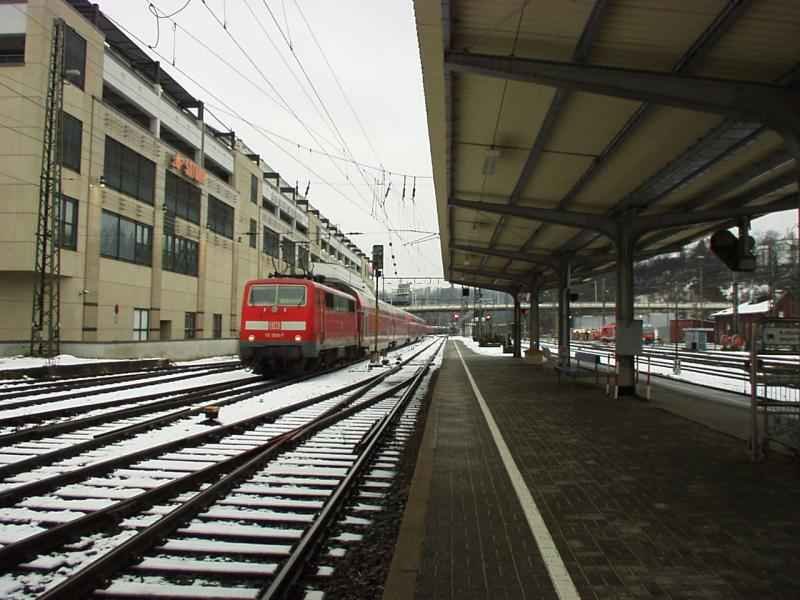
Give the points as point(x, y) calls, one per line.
point(113, 407)
point(11, 390)
point(707, 364)
point(248, 494)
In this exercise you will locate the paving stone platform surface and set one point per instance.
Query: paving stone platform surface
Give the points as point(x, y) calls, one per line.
point(641, 503)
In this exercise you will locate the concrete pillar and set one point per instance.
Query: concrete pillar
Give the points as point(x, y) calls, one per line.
point(517, 327)
point(563, 315)
point(624, 311)
point(533, 319)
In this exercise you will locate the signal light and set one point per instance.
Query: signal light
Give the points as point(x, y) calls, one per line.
point(736, 253)
point(456, 316)
point(377, 256)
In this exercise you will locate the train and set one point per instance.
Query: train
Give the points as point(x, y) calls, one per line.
point(608, 333)
point(293, 323)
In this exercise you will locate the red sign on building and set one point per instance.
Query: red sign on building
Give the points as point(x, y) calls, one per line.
point(189, 168)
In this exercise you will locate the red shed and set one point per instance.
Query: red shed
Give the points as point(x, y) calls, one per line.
point(785, 308)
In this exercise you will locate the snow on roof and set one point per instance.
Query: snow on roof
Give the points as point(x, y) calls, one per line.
point(745, 309)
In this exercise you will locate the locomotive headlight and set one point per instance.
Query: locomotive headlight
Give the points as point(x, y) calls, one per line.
point(251, 338)
point(297, 338)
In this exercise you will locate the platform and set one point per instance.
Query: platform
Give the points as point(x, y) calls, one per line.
point(624, 499)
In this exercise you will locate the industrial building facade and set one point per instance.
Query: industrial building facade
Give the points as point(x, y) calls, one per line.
point(163, 217)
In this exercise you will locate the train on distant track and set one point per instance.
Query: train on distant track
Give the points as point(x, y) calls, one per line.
point(292, 323)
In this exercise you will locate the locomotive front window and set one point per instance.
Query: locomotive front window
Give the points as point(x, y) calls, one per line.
point(277, 295)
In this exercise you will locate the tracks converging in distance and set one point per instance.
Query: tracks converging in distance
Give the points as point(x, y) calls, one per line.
point(227, 510)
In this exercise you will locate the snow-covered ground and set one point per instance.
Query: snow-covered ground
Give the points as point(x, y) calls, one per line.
point(156, 386)
point(472, 345)
point(229, 414)
point(730, 380)
point(209, 360)
point(30, 362)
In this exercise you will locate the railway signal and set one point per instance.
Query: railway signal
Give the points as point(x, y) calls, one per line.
point(737, 253)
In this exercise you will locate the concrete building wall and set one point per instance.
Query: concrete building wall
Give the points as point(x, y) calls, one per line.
point(98, 294)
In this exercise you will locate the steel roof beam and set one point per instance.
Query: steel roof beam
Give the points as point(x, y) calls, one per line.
point(495, 275)
point(487, 286)
point(770, 104)
point(559, 100)
point(644, 223)
point(698, 50)
point(551, 260)
point(542, 259)
point(579, 220)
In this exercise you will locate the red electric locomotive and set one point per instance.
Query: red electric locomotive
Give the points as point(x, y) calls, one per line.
point(293, 323)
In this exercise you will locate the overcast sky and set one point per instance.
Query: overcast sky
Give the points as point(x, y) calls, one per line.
point(372, 48)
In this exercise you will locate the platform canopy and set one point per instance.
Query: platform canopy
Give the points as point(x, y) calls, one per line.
point(554, 122)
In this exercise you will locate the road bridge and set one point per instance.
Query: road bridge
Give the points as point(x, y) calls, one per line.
point(577, 307)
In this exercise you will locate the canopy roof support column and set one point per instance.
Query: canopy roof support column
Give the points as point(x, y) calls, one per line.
point(517, 327)
point(533, 318)
point(626, 383)
point(563, 314)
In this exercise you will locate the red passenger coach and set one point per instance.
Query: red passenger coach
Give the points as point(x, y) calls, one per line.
point(300, 323)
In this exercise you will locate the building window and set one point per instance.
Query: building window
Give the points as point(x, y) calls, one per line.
point(301, 228)
point(271, 243)
point(286, 218)
point(302, 257)
point(123, 239)
point(74, 57)
point(271, 207)
point(216, 169)
point(287, 249)
point(179, 255)
point(69, 223)
point(12, 48)
point(253, 233)
point(141, 324)
point(182, 198)
point(253, 189)
point(129, 172)
point(190, 325)
point(217, 325)
point(220, 217)
point(71, 142)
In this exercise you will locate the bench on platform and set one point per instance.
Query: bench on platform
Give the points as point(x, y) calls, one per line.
point(586, 364)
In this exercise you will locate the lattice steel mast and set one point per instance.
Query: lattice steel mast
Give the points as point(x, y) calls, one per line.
point(45, 334)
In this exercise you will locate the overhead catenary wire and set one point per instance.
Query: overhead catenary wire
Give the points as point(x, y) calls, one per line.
point(269, 83)
point(339, 84)
point(336, 130)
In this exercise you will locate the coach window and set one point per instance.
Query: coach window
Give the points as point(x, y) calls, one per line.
point(329, 300)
